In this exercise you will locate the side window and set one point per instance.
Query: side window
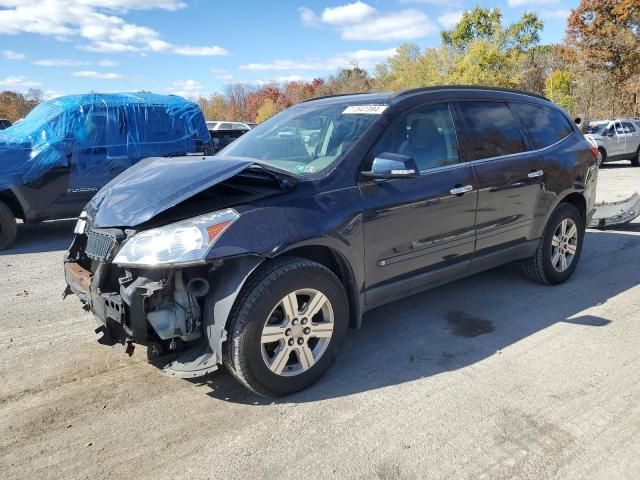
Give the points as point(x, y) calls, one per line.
point(545, 125)
point(491, 130)
point(619, 129)
point(425, 133)
point(628, 127)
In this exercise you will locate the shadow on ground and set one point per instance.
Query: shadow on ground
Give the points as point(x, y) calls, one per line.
point(43, 237)
point(459, 324)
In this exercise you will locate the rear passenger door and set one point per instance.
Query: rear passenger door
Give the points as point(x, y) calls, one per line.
point(509, 173)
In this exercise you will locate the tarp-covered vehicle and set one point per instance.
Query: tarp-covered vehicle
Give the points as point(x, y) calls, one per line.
point(66, 149)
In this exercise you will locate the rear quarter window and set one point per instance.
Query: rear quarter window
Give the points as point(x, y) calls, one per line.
point(490, 129)
point(546, 125)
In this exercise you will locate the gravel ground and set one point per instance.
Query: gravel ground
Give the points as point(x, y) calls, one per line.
point(489, 377)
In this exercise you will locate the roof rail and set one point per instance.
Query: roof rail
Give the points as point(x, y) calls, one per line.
point(344, 95)
point(475, 87)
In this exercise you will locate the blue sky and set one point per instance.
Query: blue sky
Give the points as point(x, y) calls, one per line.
point(194, 47)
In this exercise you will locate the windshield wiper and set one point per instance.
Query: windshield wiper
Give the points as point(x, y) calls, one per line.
point(285, 180)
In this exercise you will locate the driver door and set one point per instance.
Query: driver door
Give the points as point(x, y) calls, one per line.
point(418, 231)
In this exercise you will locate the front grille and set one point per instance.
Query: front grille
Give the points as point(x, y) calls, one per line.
point(99, 244)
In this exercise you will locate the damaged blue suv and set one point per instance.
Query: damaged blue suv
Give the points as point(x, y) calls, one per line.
point(261, 258)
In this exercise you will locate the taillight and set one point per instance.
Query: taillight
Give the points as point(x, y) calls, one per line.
point(595, 152)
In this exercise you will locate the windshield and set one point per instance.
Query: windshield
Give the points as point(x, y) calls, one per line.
point(306, 139)
point(41, 122)
point(597, 129)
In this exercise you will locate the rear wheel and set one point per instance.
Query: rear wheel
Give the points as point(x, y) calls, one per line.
point(286, 327)
point(8, 227)
point(603, 155)
point(557, 255)
point(635, 161)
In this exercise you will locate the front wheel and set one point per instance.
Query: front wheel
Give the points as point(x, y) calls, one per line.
point(286, 327)
point(8, 227)
point(559, 250)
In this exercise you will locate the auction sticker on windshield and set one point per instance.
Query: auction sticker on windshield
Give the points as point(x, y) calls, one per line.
point(366, 109)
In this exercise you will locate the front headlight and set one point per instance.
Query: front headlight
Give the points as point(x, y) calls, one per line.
point(181, 243)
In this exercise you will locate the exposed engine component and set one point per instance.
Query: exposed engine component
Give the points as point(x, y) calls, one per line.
point(179, 315)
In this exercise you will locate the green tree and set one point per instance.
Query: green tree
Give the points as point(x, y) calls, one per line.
point(477, 24)
point(559, 88)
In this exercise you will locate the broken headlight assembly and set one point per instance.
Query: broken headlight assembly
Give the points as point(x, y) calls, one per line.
point(183, 243)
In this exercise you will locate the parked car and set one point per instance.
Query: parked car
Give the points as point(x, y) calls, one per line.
point(223, 133)
point(617, 139)
point(261, 257)
point(4, 123)
point(223, 125)
point(66, 149)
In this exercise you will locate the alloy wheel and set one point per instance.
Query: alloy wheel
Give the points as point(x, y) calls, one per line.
point(297, 332)
point(564, 245)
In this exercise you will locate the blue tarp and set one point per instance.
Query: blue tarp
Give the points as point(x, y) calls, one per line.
point(97, 136)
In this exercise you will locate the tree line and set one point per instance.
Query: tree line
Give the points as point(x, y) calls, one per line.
point(594, 72)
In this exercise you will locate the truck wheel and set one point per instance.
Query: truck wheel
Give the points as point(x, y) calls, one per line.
point(286, 327)
point(603, 155)
point(560, 246)
point(635, 161)
point(8, 227)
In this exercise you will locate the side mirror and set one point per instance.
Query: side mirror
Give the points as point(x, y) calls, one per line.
point(392, 165)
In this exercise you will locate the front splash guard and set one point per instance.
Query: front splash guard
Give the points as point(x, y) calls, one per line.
point(608, 214)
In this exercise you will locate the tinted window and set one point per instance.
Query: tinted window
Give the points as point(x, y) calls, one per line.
point(545, 125)
point(491, 130)
point(225, 126)
point(425, 133)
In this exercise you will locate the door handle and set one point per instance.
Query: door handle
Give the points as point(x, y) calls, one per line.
point(536, 174)
point(461, 190)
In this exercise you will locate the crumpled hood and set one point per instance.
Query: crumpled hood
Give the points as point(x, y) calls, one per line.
point(157, 184)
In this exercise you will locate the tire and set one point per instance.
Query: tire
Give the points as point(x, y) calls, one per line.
point(603, 155)
point(635, 161)
point(8, 227)
point(263, 367)
point(540, 267)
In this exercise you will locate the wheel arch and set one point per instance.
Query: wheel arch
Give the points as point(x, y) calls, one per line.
point(577, 200)
point(340, 266)
point(12, 201)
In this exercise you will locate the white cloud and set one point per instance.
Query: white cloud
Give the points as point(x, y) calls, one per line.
point(405, 25)
point(308, 18)
point(59, 62)
point(97, 75)
point(349, 13)
point(108, 63)
point(360, 21)
point(13, 55)
point(521, 3)
point(186, 88)
point(96, 24)
point(451, 19)
point(222, 74)
point(362, 58)
point(190, 51)
point(16, 81)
